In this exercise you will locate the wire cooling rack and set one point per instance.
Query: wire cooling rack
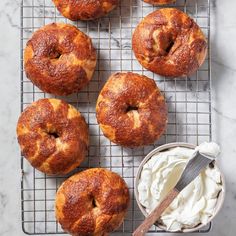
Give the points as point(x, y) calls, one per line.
point(189, 104)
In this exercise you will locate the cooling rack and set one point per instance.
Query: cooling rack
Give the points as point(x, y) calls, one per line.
point(189, 105)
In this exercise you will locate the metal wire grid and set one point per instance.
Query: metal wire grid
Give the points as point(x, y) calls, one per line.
point(189, 104)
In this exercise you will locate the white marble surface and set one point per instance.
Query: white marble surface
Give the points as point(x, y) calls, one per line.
point(224, 112)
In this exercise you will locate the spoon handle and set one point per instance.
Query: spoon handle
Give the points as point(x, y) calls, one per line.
point(156, 213)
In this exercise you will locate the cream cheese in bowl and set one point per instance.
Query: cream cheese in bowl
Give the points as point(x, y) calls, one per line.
point(196, 203)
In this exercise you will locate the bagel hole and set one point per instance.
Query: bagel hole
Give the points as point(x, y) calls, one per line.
point(169, 46)
point(58, 56)
point(131, 108)
point(55, 55)
point(94, 204)
point(54, 135)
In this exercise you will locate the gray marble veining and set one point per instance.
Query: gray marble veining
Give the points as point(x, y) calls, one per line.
point(223, 28)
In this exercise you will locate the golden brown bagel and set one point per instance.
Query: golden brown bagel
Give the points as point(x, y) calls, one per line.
point(59, 59)
point(53, 136)
point(159, 2)
point(131, 110)
point(85, 9)
point(169, 43)
point(92, 202)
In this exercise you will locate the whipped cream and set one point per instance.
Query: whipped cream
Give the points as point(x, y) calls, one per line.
point(196, 203)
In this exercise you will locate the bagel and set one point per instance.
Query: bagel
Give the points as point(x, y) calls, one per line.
point(53, 136)
point(169, 43)
point(131, 110)
point(59, 59)
point(159, 2)
point(85, 10)
point(92, 202)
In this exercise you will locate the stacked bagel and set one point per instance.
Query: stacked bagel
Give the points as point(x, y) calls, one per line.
point(131, 110)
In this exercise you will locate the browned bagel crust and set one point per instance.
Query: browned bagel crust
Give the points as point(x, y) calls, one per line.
point(169, 43)
point(131, 110)
point(92, 202)
point(59, 59)
point(53, 136)
point(85, 9)
point(159, 2)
